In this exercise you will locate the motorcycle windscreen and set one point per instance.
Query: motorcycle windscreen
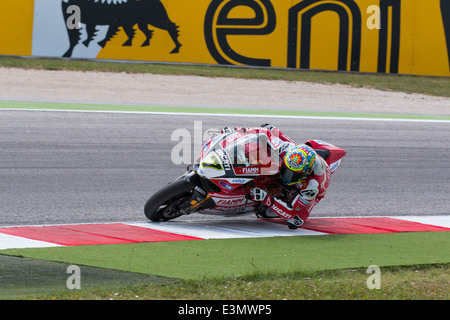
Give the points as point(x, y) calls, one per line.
point(249, 150)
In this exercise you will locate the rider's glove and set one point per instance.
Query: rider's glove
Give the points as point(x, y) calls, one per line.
point(294, 222)
point(260, 195)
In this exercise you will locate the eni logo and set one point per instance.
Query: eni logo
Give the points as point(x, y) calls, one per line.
point(220, 25)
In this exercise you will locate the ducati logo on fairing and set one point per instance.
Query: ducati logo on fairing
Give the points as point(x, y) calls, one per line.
point(224, 158)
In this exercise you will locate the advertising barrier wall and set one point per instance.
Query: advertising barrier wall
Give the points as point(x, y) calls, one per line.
point(384, 36)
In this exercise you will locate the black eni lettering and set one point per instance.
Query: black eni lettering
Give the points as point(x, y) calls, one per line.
point(222, 26)
point(383, 36)
point(306, 10)
point(218, 26)
point(445, 12)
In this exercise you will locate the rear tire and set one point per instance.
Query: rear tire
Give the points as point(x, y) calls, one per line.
point(164, 204)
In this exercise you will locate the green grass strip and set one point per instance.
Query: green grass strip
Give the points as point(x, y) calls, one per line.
point(212, 259)
point(211, 110)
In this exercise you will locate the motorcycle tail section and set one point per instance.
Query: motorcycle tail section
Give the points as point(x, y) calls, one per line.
point(330, 153)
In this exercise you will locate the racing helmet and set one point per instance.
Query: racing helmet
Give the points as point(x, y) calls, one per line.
point(297, 164)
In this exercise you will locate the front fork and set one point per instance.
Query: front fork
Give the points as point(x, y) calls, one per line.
point(200, 199)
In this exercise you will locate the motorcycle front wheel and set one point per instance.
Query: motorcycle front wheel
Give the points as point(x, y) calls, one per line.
point(166, 203)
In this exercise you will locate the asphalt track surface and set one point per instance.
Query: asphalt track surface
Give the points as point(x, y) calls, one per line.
point(80, 167)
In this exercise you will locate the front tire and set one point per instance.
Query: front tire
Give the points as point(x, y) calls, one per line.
point(165, 204)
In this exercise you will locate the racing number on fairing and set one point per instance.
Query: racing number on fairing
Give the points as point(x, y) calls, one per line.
point(215, 164)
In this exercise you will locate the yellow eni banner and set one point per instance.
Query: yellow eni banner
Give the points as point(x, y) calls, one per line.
point(16, 27)
point(384, 36)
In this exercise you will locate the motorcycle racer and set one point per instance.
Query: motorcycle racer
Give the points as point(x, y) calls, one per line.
point(300, 167)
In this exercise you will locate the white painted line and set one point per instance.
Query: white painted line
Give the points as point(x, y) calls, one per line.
point(238, 115)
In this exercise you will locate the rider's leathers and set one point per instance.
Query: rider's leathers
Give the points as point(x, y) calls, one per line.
point(310, 191)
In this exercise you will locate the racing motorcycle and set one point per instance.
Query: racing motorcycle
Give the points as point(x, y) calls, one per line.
point(219, 182)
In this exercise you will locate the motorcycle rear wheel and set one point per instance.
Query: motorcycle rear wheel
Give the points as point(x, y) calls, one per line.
point(165, 203)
